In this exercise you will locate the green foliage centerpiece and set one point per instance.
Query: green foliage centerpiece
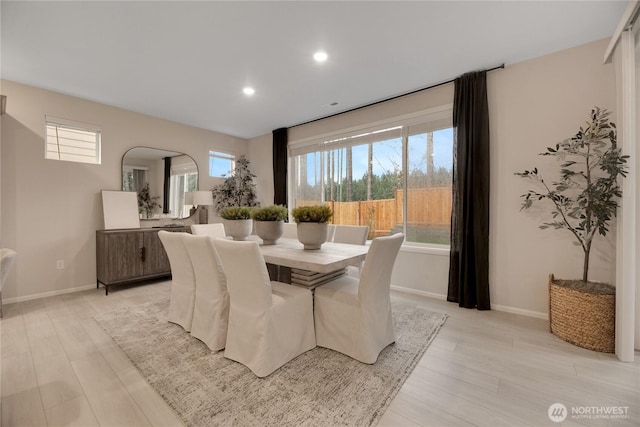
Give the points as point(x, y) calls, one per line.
point(237, 221)
point(312, 224)
point(315, 213)
point(269, 222)
point(582, 201)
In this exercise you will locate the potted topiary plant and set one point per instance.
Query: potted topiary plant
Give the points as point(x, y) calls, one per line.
point(269, 222)
point(312, 224)
point(237, 221)
point(582, 201)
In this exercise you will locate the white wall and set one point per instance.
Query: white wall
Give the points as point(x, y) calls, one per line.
point(260, 155)
point(532, 105)
point(50, 210)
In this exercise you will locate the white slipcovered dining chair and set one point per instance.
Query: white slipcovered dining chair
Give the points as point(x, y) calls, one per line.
point(352, 234)
point(354, 316)
point(213, 230)
point(183, 283)
point(7, 257)
point(270, 323)
point(211, 308)
point(290, 230)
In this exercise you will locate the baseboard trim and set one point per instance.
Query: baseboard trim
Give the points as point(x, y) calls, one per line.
point(522, 311)
point(433, 295)
point(47, 294)
point(497, 307)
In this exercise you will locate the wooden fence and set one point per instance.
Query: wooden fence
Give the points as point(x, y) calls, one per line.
point(427, 207)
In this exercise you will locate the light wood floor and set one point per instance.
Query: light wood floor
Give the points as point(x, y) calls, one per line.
point(484, 368)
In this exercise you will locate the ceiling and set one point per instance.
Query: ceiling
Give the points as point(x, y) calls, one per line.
point(189, 61)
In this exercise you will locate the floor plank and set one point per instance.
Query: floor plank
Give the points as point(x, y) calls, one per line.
point(59, 368)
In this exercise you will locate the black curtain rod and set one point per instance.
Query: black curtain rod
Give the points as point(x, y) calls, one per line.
point(389, 99)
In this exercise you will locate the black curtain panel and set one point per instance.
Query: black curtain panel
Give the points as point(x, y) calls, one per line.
point(167, 185)
point(469, 257)
point(280, 139)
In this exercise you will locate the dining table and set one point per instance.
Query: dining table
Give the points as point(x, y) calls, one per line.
point(311, 268)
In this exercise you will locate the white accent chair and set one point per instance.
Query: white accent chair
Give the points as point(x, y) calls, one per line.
point(7, 257)
point(183, 283)
point(355, 235)
point(353, 316)
point(290, 230)
point(211, 309)
point(270, 323)
point(213, 230)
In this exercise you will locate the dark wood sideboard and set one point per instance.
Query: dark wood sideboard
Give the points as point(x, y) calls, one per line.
point(131, 255)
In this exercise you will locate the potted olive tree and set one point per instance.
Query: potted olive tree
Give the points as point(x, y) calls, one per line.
point(269, 222)
point(146, 202)
point(582, 201)
point(312, 224)
point(237, 221)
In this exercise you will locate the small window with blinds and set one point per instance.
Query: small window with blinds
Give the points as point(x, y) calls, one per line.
point(71, 141)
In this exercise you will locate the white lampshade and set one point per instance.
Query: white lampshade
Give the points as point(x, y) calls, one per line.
point(202, 198)
point(188, 198)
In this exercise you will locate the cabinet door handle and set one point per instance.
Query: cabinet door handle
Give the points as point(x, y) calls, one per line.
point(143, 253)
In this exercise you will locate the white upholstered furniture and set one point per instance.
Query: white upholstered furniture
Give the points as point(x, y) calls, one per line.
point(213, 230)
point(354, 316)
point(270, 323)
point(211, 309)
point(7, 257)
point(290, 230)
point(183, 284)
point(353, 234)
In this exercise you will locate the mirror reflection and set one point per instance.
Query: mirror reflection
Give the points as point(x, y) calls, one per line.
point(169, 176)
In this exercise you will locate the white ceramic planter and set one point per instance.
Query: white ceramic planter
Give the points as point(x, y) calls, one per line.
point(239, 229)
point(269, 231)
point(312, 234)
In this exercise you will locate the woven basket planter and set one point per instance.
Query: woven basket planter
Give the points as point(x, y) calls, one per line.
point(583, 314)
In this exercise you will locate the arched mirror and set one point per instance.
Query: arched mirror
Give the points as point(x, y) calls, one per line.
point(169, 174)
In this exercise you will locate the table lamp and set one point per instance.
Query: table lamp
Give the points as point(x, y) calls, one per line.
point(203, 198)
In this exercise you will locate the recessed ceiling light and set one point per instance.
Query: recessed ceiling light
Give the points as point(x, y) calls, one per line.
point(320, 56)
point(249, 91)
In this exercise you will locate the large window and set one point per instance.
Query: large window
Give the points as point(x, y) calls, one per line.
point(70, 141)
point(392, 178)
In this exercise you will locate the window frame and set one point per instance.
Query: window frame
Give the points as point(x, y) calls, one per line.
point(57, 123)
point(431, 119)
point(215, 154)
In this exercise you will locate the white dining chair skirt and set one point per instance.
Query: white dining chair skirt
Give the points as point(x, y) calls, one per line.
point(353, 316)
point(183, 284)
point(270, 323)
point(211, 307)
point(212, 230)
point(352, 234)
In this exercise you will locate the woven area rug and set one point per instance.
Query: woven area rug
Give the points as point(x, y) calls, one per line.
point(318, 388)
